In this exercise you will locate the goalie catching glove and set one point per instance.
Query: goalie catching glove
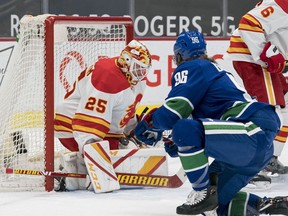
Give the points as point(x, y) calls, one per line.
point(273, 59)
point(145, 132)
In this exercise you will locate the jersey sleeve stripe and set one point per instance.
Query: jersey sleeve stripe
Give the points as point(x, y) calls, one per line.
point(249, 23)
point(63, 118)
point(180, 106)
point(237, 45)
point(62, 128)
point(92, 119)
point(90, 130)
point(90, 124)
point(62, 123)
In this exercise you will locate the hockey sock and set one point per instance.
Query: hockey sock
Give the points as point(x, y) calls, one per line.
point(195, 164)
point(253, 198)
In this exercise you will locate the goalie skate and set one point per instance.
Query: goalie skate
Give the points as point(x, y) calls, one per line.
point(259, 182)
point(199, 202)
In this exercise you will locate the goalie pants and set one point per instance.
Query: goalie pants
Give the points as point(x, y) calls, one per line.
point(240, 149)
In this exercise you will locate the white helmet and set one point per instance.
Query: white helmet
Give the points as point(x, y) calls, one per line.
point(135, 61)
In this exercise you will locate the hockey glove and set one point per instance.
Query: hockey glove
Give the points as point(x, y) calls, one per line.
point(170, 148)
point(145, 132)
point(274, 60)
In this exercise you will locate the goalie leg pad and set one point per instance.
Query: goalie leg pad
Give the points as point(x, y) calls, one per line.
point(73, 162)
point(151, 161)
point(81, 169)
point(99, 166)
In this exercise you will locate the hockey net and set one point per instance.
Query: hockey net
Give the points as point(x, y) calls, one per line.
point(50, 53)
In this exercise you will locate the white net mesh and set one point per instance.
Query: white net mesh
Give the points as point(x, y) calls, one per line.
point(78, 43)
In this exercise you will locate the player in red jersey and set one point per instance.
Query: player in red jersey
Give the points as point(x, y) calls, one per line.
point(258, 50)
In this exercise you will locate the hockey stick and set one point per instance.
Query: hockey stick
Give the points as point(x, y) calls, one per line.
point(129, 179)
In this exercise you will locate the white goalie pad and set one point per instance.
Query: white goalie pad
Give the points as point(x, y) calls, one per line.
point(152, 161)
point(99, 166)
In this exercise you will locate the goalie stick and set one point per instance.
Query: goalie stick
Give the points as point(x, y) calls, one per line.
point(129, 179)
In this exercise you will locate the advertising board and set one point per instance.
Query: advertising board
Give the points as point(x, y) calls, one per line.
point(159, 79)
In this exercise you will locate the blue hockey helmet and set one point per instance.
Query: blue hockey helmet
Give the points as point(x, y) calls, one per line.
point(189, 45)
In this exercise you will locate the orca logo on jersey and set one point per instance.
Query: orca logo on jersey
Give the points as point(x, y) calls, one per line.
point(130, 111)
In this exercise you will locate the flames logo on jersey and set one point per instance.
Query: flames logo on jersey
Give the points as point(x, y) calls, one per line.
point(130, 111)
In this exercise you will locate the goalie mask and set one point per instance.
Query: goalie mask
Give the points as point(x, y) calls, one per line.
point(135, 62)
point(189, 45)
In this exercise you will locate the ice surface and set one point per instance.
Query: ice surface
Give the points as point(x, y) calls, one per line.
point(125, 202)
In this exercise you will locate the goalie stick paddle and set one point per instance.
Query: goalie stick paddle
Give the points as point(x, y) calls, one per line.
point(129, 179)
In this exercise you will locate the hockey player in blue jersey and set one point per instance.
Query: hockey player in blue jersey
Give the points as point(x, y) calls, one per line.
point(212, 116)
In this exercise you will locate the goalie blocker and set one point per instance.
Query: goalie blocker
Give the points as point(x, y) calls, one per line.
point(102, 164)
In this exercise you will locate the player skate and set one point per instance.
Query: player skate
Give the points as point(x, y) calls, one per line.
point(276, 167)
point(273, 206)
point(260, 182)
point(199, 202)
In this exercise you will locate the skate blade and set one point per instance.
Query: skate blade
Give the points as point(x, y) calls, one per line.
point(209, 213)
point(258, 186)
point(272, 175)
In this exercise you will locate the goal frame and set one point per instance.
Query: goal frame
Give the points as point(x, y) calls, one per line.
point(49, 79)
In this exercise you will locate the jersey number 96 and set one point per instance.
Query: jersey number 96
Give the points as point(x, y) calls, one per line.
point(181, 77)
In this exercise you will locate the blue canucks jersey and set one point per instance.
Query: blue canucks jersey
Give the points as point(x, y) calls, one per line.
point(238, 131)
point(200, 89)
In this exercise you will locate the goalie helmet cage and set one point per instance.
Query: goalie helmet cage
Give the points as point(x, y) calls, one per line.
point(50, 53)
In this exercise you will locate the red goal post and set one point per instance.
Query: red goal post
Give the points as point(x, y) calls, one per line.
point(50, 53)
